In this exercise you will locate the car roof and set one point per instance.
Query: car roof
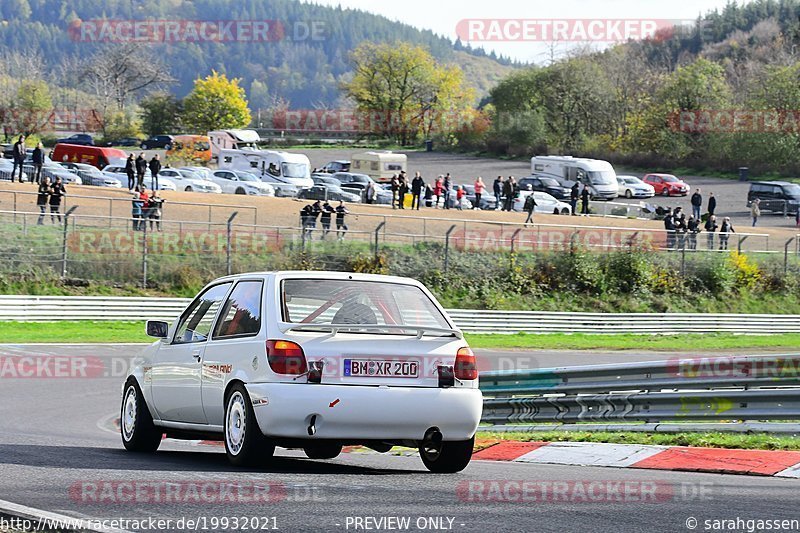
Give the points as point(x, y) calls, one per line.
point(320, 274)
point(779, 183)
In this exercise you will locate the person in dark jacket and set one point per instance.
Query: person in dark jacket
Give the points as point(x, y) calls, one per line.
point(497, 189)
point(130, 170)
point(57, 191)
point(38, 162)
point(508, 192)
point(693, 228)
point(156, 208)
point(681, 228)
point(305, 219)
point(141, 170)
point(417, 185)
point(447, 185)
point(530, 205)
point(574, 194)
point(395, 187)
point(402, 190)
point(724, 232)
point(155, 168)
point(341, 227)
point(585, 197)
point(42, 197)
point(712, 203)
point(669, 226)
point(325, 218)
point(697, 204)
point(18, 153)
point(710, 227)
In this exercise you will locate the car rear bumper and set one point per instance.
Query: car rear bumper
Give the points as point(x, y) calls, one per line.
point(353, 412)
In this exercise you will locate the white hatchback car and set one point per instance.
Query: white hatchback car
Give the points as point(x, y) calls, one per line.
point(311, 360)
point(240, 182)
point(189, 181)
point(545, 203)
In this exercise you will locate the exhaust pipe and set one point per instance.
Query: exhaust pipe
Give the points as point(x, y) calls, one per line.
point(312, 428)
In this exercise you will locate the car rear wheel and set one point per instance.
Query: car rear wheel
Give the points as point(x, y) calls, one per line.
point(139, 434)
point(628, 194)
point(167, 147)
point(446, 457)
point(245, 445)
point(143, 146)
point(323, 450)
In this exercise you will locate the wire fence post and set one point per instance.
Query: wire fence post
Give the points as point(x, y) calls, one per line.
point(447, 247)
point(683, 255)
point(739, 245)
point(786, 255)
point(514, 239)
point(228, 243)
point(632, 241)
point(64, 241)
point(377, 237)
point(144, 254)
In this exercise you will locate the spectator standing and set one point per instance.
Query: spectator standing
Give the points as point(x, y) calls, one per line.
point(145, 208)
point(402, 190)
point(797, 219)
point(574, 194)
point(42, 197)
point(508, 193)
point(712, 204)
point(155, 168)
point(530, 205)
point(341, 227)
point(395, 189)
point(325, 219)
point(479, 188)
point(305, 220)
point(428, 196)
point(497, 189)
point(585, 200)
point(446, 186)
point(156, 206)
point(370, 193)
point(711, 227)
point(316, 210)
point(693, 228)
point(437, 189)
point(130, 170)
point(57, 191)
point(141, 170)
point(459, 196)
point(136, 209)
point(38, 163)
point(697, 204)
point(417, 186)
point(669, 226)
point(755, 211)
point(18, 153)
point(724, 232)
point(681, 228)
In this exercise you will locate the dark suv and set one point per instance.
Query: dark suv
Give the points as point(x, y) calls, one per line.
point(157, 141)
point(776, 196)
point(83, 139)
point(545, 184)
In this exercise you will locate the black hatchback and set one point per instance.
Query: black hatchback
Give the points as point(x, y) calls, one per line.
point(544, 184)
point(775, 196)
point(157, 141)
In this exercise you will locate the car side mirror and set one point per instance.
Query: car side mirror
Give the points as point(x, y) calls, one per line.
point(157, 329)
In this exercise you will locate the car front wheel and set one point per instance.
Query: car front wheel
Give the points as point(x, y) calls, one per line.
point(139, 434)
point(446, 457)
point(188, 189)
point(665, 192)
point(628, 194)
point(245, 445)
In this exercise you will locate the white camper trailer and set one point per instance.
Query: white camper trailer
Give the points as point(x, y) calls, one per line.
point(232, 140)
point(270, 166)
point(598, 175)
point(380, 166)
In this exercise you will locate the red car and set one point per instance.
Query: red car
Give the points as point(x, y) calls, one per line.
point(666, 184)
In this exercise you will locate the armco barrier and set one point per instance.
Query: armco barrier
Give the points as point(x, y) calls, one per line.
point(48, 308)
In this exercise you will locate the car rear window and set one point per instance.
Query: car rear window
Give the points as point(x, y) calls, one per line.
point(318, 301)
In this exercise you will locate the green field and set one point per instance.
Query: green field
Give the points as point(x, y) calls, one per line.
point(114, 331)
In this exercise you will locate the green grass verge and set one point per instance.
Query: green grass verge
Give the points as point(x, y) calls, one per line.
point(119, 331)
point(706, 440)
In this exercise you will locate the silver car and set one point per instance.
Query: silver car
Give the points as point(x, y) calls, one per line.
point(91, 175)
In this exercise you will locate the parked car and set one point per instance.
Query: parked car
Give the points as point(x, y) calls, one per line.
point(340, 165)
point(90, 175)
point(283, 187)
point(666, 184)
point(335, 186)
point(545, 184)
point(117, 171)
point(333, 194)
point(311, 360)
point(204, 172)
point(126, 141)
point(157, 141)
point(53, 171)
point(79, 138)
point(359, 183)
point(240, 182)
point(7, 167)
point(633, 187)
point(545, 203)
point(775, 196)
point(189, 181)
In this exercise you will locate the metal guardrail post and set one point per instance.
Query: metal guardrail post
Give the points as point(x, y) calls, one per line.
point(572, 241)
point(683, 255)
point(228, 243)
point(64, 241)
point(447, 247)
point(632, 241)
point(377, 237)
point(739, 245)
point(786, 254)
point(514, 238)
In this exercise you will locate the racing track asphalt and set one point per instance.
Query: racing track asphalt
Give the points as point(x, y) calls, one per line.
point(55, 433)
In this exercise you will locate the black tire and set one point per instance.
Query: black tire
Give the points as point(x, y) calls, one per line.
point(628, 194)
point(245, 445)
point(136, 427)
point(665, 192)
point(188, 189)
point(555, 211)
point(323, 450)
point(167, 146)
point(240, 191)
point(565, 211)
point(448, 457)
point(143, 146)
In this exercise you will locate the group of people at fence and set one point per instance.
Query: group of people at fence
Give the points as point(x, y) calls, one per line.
point(323, 211)
point(682, 231)
point(50, 194)
point(137, 168)
point(441, 193)
point(146, 208)
point(18, 156)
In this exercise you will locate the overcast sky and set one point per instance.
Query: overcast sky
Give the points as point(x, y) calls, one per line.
point(442, 16)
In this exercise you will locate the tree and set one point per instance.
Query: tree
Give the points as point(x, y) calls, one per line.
point(161, 113)
point(216, 103)
point(33, 107)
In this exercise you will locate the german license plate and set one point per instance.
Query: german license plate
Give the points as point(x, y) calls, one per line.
point(370, 368)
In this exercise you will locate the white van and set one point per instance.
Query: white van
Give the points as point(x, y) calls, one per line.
point(270, 165)
point(598, 175)
point(232, 140)
point(380, 166)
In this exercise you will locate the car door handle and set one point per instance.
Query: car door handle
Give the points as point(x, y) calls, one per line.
point(196, 355)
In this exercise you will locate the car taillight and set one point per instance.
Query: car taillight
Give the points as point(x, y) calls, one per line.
point(466, 366)
point(286, 357)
